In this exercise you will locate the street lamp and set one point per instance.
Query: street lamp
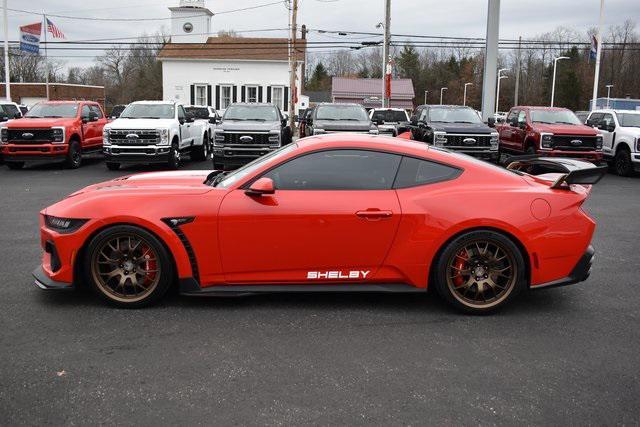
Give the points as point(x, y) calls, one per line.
point(464, 98)
point(553, 85)
point(608, 94)
point(500, 77)
point(442, 92)
point(425, 96)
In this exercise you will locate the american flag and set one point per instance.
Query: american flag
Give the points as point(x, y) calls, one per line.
point(55, 31)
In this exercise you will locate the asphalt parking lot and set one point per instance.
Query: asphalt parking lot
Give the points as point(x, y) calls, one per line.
point(562, 356)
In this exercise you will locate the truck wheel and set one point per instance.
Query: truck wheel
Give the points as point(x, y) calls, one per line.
point(174, 157)
point(113, 166)
point(622, 162)
point(15, 165)
point(202, 152)
point(74, 156)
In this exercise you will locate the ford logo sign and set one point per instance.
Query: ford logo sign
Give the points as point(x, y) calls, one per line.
point(30, 39)
point(469, 141)
point(27, 135)
point(246, 139)
point(576, 142)
point(132, 136)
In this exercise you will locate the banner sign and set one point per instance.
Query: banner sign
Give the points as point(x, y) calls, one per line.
point(30, 38)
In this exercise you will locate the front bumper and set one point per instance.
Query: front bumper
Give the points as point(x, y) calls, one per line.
point(137, 154)
point(580, 272)
point(594, 156)
point(240, 154)
point(43, 281)
point(33, 152)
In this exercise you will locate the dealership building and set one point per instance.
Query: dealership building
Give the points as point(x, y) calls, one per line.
point(217, 71)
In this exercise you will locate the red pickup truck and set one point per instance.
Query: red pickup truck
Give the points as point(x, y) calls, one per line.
point(548, 131)
point(53, 130)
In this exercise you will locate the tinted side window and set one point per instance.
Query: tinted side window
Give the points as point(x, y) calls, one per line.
point(414, 172)
point(512, 114)
point(181, 113)
point(85, 111)
point(337, 170)
point(95, 109)
point(11, 110)
point(607, 119)
point(596, 118)
point(522, 117)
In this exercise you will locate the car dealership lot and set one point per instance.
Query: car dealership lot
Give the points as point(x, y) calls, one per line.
point(567, 355)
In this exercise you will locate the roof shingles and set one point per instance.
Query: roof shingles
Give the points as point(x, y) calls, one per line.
point(244, 48)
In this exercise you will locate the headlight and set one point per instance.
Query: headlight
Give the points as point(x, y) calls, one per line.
point(105, 137)
point(638, 145)
point(164, 136)
point(546, 141)
point(439, 138)
point(274, 138)
point(494, 139)
point(599, 142)
point(58, 134)
point(4, 132)
point(63, 225)
point(318, 131)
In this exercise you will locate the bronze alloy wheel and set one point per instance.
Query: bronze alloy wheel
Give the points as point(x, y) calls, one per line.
point(482, 273)
point(125, 267)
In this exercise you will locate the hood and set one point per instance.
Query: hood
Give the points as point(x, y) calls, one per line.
point(343, 125)
point(562, 129)
point(248, 125)
point(140, 123)
point(40, 123)
point(462, 128)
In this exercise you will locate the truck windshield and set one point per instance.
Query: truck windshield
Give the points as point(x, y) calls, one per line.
point(564, 117)
point(453, 115)
point(53, 110)
point(148, 111)
point(261, 113)
point(341, 112)
point(389, 116)
point(629, 120)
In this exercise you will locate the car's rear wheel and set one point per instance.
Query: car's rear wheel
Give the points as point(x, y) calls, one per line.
point(15, 165)
point(174, 157)
point(480, 271)
point(128, 266)
point(201, 152)
point(622, 162)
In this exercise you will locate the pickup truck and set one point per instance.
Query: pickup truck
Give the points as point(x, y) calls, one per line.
point(332, 118)
point(53, 130)
point(154, 132)
point(456, 128)
point(548, 131)
point(248, 131)
point(621, 138)
point(208, 116)
point(390, 121)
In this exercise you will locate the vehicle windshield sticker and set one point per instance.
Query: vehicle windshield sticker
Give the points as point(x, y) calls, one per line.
point(338, 274)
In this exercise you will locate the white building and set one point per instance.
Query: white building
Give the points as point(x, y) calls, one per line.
point(216, 71)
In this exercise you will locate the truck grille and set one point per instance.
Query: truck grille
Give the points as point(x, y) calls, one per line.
point(569, 143)
point(30, 136)
point(458, 140)
point(256, 138)
point(134, 136)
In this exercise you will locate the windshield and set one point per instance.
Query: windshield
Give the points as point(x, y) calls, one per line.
point(564, 117)
point(197, 112)
point(341, 112)
point(388, 116)
point(453, 115)
point(53, 110)
point(148, 111)
point(629, 120)
point(261, 113)
point(254, 165)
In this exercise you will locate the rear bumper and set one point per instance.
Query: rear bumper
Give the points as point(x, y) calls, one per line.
point(33, 152)
point(580, 272)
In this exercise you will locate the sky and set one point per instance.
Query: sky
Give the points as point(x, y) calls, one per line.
point(462, 18)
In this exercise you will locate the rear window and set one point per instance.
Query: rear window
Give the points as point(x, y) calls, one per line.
point(197, 112)
point(342, 112)
point(389, 116)
point(414, 172)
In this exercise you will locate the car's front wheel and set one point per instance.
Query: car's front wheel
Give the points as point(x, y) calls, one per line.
point(128, 266)
point(479, 271)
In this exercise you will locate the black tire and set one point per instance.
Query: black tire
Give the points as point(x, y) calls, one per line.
point(622, 162)
point(201, 153)
point(112, 166)
point(174, 157)
point(98, 267)
point(486, 271)
point(74, 156)
point(15, 165)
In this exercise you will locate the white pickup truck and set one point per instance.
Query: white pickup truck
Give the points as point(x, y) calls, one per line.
point(620, 131)
point(154, 132)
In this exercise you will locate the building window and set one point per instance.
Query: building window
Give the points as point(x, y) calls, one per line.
point(225, 96)
point(277, 96)
point(201, 95)
point(252, 93)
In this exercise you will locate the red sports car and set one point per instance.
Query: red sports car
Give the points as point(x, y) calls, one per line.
point(330, 213)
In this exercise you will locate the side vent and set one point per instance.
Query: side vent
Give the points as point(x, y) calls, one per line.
point(174, 224)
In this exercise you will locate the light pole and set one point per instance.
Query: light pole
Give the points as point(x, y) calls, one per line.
point(500, 77)
point(608, 94)
point(464, 98)
point(426, 92)
point(442, 89)
point(553, 84)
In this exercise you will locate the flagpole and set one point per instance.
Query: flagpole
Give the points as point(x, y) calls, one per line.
point(7, 71)
point(46, 61)
point(596, 77)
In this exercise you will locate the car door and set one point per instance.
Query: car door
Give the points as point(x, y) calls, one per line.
point(520, 131)
point(185, 128)
point(332, 211)
point(607, 128)
point(98, 124)
point(88, 127)
point(506, 133)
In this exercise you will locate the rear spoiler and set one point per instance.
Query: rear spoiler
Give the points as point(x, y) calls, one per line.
point(573, 171)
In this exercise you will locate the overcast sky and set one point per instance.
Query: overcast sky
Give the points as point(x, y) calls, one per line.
point(465, 18)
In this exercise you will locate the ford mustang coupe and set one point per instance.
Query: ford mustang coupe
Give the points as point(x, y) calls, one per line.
point(331, 213)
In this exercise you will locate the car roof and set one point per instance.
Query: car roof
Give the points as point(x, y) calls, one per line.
point(444, 106)
point(156, 102)
point(253, 104)
point(540, 107)
point(611, 110)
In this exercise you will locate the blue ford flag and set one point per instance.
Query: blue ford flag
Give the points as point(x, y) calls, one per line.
point(594, 48)
point(30, 38)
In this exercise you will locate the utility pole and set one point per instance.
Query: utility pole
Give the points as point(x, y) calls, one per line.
point(442, 89)
point(293, 62)
point(46, 60)
point(594, 98)
point(490, 60)
point(426, 92)
point(386, 69)
point(608, 94)
point(553, 84)
point(464, 97)
point(303, 69)
point(500, 77)
point(7, 73)
point(518, 65)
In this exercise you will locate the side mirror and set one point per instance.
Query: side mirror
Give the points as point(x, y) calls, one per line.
point(513, 122)
point(4, 118)
point(261, 187)
point(17, 116)
point(213, 120)
point(522, 125)
point(611, 127)
point(181, 120)
point(414, 120)
point(189, 119)
point(491, 122)
point(93, 116)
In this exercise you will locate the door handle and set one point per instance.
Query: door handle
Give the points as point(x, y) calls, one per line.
point(374, 214)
